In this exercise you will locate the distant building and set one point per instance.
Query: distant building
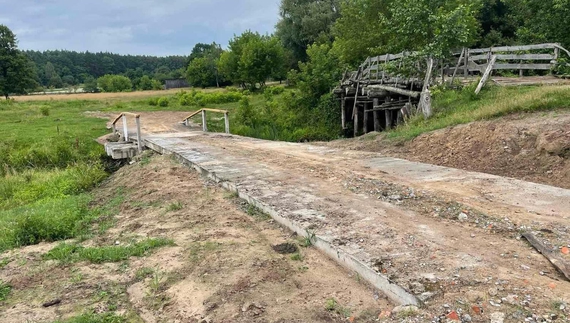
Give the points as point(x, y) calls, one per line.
point(175, 84)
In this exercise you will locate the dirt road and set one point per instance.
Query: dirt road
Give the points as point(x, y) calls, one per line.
point(449, 237)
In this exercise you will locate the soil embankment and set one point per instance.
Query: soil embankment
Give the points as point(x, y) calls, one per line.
point(531, 147)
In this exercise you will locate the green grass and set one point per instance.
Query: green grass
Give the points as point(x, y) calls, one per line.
point(68, 253)
point(46, 220)
point(5, 290)
point(332, 305)
point(454, 107)
point(175, 206)
point(95, 318)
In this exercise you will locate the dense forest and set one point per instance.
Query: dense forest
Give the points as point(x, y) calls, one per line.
point(67, 68)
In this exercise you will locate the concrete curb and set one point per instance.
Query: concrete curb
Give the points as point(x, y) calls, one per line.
point(394, 292)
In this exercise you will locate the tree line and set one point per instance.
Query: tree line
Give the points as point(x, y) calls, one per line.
point(61, 68)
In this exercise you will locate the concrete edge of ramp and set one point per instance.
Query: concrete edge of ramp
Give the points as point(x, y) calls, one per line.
point(394, 292)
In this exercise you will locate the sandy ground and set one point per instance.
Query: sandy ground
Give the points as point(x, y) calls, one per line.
point(100, 96)
point(222, 269)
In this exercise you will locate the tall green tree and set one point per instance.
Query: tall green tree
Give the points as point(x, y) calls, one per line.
point(203, 68)
point(541, 20)
point(304, 22)
point(498, 23)
point(16, 71)
point(432, 27)
point(251, 59)
point(359, 32)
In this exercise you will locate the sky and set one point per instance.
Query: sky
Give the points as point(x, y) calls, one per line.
point(138, 27)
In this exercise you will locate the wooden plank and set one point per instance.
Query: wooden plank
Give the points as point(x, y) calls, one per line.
point(227, 122)
point(457, 66)
point(365, 121)
point(343, 112)
point(204, 123)
point(388, 114)
point(375, 115)
point(125, 114)
point(355, 117)
point(195, 113)
point(551, 255)
point(538, 57)
point(466, 68)
point(125, 128)
point(522, 66)
point(524, 47)
point(425, 97)
point(487, 73)
point(413, 94)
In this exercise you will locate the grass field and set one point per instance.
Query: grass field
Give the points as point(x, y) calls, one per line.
point(49, 159)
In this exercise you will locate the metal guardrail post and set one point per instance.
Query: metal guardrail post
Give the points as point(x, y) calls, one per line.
point(139, 137)
point(125, 129)
point(227, 122)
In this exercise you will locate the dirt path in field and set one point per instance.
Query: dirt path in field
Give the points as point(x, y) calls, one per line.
point(99, 96)
point(223, 267)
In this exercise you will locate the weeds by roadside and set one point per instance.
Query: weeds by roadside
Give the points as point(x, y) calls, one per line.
point(95, 318)
point(5, 290)
point(67, 253)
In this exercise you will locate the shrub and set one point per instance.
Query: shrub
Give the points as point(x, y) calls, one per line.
point(202, 99)
point(153, 101)
point(163, 102)
point(115, 83)
point(274, 90)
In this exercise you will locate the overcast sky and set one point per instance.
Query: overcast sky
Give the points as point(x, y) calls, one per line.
point(151, 27)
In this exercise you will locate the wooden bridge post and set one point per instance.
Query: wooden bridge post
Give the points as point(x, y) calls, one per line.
point(466, 68)
point(355, 120)
point(343, 111)
point(365, 121)
point(376, 105)
point(139, 136)
point(204, 125)
point(227, 122)
point(125, 129)
point(388, 119)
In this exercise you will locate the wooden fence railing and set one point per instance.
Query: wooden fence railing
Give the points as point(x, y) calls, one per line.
point(123, 117)
point(471, 60)
point(204, 122)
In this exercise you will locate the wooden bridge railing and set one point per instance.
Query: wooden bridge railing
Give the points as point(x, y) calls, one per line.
point(204, 123)
point(471, 60)
point(123, 116)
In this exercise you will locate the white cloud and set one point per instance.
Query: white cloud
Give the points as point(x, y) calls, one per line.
point(150, 27)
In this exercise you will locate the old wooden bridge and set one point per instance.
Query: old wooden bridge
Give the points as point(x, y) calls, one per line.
point(377, 96)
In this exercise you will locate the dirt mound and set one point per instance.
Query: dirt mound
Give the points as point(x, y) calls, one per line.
point(531, 147)
point(222, 267)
